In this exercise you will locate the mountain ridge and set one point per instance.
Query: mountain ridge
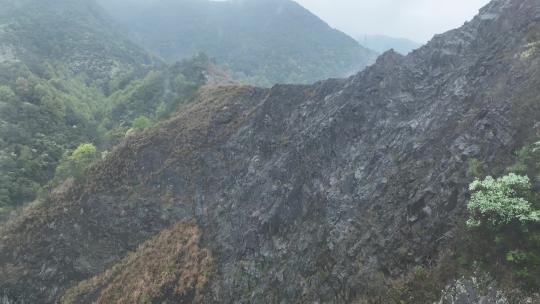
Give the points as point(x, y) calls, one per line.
point(382, 43)
point(322, 193)
point(276, 41)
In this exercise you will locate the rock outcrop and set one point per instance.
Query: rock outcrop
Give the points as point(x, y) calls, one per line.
point(481, 291)
point(303, 194)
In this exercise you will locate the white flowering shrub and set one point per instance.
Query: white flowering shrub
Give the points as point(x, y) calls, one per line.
point(500, 202)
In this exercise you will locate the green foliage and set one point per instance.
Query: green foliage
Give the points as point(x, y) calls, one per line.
point(475, 168)
point(162, 111)
point(523, 158)
point(69, 78)
point(53, 86)
point(141, 123)
point(517, 256)
point(76, 164)
point(505, 220)
point(501, 202)
point(156, 96)
point(7, 95)
point(41, 120)
point(525, 263)
point(523, 155)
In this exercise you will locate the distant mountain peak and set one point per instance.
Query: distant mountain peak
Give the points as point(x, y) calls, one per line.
point(382, 43)
point(258, 41)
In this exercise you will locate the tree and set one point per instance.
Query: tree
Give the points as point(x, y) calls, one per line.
point(7, 95)
point(5, 185)
point(501, 202)
point(141, 123)
point(475, 168)
point(76, 164)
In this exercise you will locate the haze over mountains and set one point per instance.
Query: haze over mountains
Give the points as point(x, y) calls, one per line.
point(166, 182)
point(261, 41)
point(381, 43)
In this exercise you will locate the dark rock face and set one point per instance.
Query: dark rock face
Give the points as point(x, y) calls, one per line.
point(304, 193)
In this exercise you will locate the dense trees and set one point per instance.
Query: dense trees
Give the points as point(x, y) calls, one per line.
point(45, 115)
point(41, 118)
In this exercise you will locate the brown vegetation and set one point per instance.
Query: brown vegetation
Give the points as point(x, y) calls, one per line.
point(170, 267)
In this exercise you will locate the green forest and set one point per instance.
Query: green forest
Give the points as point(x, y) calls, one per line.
point(60, 89)
point(46, 114)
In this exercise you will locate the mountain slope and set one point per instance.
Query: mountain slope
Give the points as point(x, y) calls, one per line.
point(264, 42)
point(319, 193)
point(77, 33)
point(56, 61)
point(66, 77)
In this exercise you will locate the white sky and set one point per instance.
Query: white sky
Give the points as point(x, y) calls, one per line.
point(418, 20)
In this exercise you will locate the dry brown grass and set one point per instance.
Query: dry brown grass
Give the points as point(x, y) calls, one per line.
point(170, 267)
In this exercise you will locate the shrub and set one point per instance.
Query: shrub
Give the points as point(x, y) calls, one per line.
point(76, 164)
point(525, 264)
point(501, 202)
point(7, 95)
point(523, 158)
point(475, 168)
point(141, 123)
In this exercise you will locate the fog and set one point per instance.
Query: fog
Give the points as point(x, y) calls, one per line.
point(418, 20)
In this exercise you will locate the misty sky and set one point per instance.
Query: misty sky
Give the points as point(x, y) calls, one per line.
point(418, 20)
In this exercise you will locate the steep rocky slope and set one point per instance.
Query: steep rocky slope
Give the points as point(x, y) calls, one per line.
point(258, 41)
point(300, 194)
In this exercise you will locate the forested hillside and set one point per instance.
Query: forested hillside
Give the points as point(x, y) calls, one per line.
point(66, 78)
point(258, 41)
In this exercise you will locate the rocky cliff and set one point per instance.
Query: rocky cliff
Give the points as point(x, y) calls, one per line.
point(294, 194)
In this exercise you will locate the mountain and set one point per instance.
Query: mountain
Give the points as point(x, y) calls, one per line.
point(381, 43)
point(74, 32)
point(258, 41)
point(68, 77)
point(345, 191)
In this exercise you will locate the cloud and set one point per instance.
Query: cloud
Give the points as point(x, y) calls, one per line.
point(414, 19)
